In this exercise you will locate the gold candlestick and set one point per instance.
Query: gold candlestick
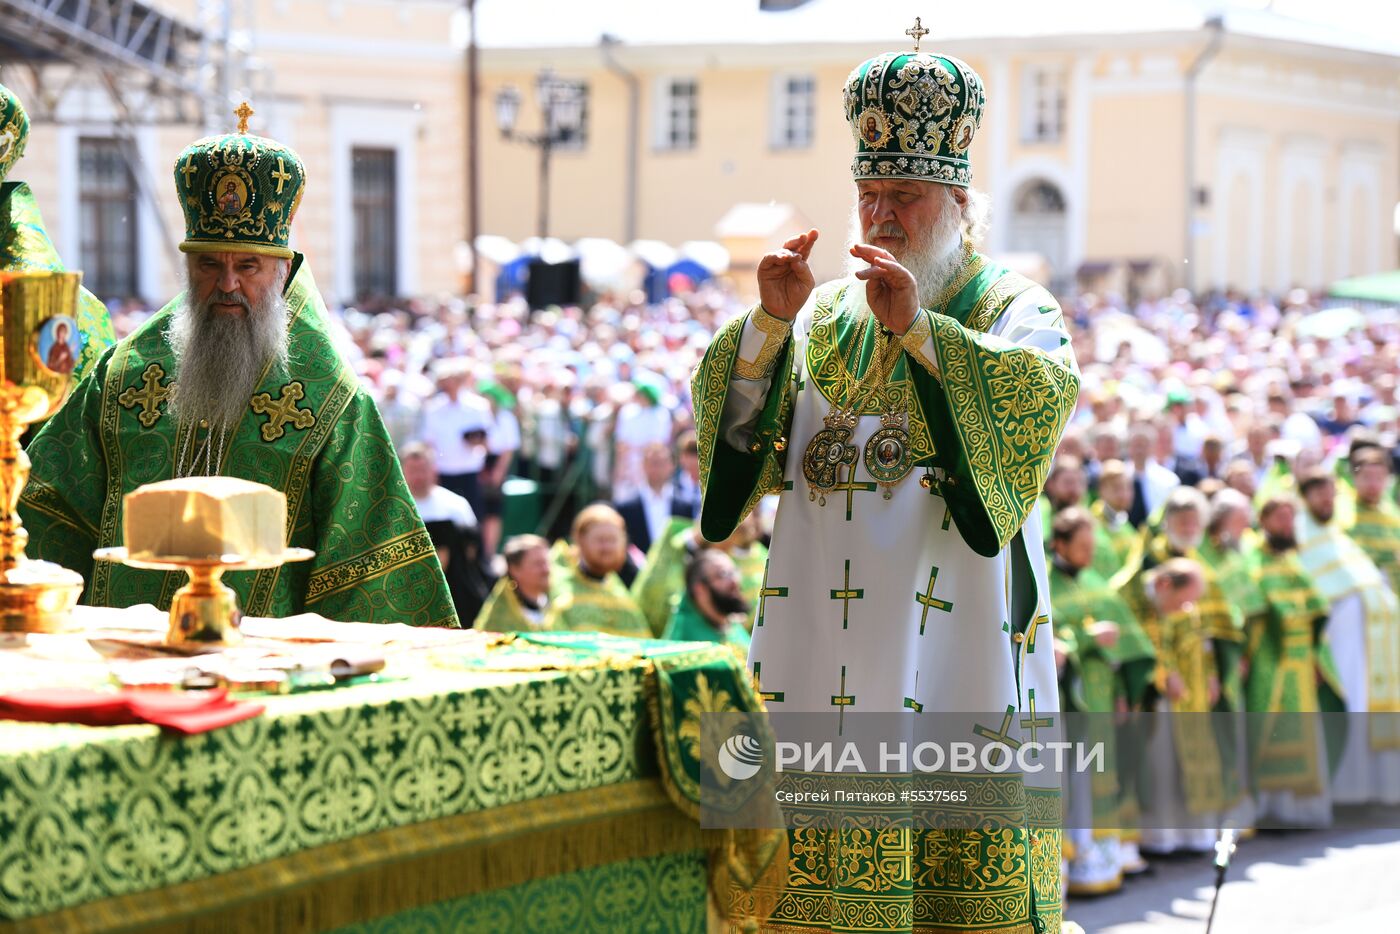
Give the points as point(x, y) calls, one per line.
point(39, 346)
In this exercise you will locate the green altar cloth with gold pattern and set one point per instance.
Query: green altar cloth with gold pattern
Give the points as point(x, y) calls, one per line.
point(511, 788)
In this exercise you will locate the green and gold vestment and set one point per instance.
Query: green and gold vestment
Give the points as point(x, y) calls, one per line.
point(662, 577)
point(503, 612)
point(1287, 656)
point(581, 603)
point(1377, 530)
point(687, 625)
point(316, 436)
point(1098, 677)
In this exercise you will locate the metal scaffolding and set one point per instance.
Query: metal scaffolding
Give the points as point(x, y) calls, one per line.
point(154, 67)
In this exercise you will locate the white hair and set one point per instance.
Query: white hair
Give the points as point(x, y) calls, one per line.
point(933, 256)
point(219, 359)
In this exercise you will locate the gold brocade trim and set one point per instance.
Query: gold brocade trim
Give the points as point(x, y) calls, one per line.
point(803, 928)
point(33, 499)
point(914, 340)
point(382, 873)
point(828, 370)
point(775, 332)
point(395, 553)
point(109, 436)
point(709, 387)
point(1009, 407)
point(994, 301)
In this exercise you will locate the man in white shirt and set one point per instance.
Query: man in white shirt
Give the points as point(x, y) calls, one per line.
point(451, 524)
point(502, 447)
point(457, 423)
point(641, 422)
point(1151, 481)
point(649, 513)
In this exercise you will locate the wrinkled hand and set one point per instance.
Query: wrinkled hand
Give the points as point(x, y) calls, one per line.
point(1214, 690)
point(1105, 633)
point(1175, 686)
point(784, 278)
point(890, 290)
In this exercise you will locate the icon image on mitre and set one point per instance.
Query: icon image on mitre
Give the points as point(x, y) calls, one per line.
point(230, 195)
point(873, 127)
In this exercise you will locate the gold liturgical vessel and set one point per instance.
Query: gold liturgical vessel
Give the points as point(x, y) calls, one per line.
point(205, 609)
point(39, 346)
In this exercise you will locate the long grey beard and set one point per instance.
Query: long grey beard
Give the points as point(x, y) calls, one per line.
point(933, 260)
point(220, 359)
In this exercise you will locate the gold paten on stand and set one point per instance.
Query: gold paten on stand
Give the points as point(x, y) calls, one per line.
point(205, 609)
point(39, 346)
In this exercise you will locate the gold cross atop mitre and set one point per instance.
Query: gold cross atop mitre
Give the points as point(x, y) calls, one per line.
point(244, 112)
point(918, 32)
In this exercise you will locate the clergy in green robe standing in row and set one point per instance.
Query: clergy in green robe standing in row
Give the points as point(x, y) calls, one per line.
point(520, 599)
point(906, 416)
point(239, 377)
point(1109, 665)
point(25, 245)
point(1363, 632)
point(1291, 674)
point(712, 607)
point(587, 595)
point(1375, 525)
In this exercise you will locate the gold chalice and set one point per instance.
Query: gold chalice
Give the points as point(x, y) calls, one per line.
point(205, 609)
point(39, 346)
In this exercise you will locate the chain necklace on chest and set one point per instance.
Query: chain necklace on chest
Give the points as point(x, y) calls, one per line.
point(211, 455)
point(887, 454)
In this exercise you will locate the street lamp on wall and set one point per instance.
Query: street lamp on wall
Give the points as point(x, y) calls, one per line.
point(561, 118)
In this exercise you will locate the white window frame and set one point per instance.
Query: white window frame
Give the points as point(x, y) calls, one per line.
point(793, 119)
point(1044, 103)
point(665, 114)
point(389, 126)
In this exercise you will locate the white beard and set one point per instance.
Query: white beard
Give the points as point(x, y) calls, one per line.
point(220, 359)
point(933, 259)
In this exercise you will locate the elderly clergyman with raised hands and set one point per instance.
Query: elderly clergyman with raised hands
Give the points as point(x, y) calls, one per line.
point(906, 416)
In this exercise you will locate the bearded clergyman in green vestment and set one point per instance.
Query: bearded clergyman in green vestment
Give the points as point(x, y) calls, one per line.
point(238, 376)
point(1291, 675)
point(25, 245)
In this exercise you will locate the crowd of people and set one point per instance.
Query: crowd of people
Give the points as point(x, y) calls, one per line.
point(1220, 518)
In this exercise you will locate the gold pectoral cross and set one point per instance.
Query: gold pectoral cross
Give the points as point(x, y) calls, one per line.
point(282, 411)
point(149, 397)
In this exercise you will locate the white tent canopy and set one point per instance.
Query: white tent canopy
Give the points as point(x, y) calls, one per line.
point(550, 249)
point(654, 253)
point(603, 263)
point(711, 255)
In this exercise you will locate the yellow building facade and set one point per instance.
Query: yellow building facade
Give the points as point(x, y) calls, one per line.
point(368, 87)
point(1083, 149)
point(1119, 147)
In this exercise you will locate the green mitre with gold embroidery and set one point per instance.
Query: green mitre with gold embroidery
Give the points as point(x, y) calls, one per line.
point(913, 115)
point(239, 192)
point(14, 130)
